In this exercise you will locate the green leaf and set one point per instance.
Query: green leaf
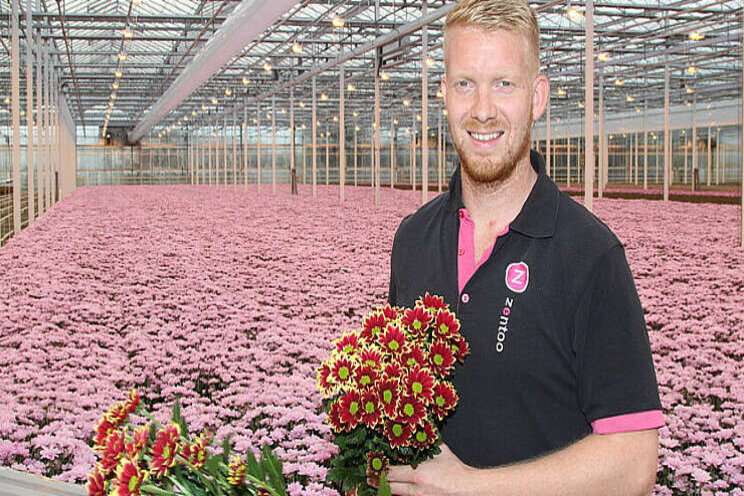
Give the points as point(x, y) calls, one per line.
point(273, 467)
point(384, 489)
point(226, 449)
point(177, 418)
point(254, 468)
point(156, 491)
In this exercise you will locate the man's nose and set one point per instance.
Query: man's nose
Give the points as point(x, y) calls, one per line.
point(482, 109)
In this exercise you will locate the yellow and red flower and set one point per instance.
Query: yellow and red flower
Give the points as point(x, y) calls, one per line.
point(349, 344)
point(413, 357)
point(129, 478)
point(196, 453)
point(420, 384)
point(323, 378)
point(236, 470)
point(441, 358)
point(397, 432)
point(103, 429)
point(446, 325)
point(432, 302)
point(445, 399)
point(366, 377)
point(377, 462)
point(392, 340)
point(392, 370)
point(373, 325)
point(411, 410)
point(113, 452)
point(165, 449)
point(350, 409)
point(343, 371)
point(387, 391)
point(459, 347)
point(390, 313)
point(371, 357)
point(416, 320)
point(424, 436)
point(371, 409)
point(97, 483)
point(136, 447)
point(334, 418)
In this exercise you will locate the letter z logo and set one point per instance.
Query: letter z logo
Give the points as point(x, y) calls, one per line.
point(517, 276)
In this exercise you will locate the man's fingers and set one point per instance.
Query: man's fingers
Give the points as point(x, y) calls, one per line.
point(400, 473)
point(402, 489)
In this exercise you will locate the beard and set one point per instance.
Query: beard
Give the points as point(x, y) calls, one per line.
point(492, 168)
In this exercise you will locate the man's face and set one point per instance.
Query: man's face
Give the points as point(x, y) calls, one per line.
point(491, 100)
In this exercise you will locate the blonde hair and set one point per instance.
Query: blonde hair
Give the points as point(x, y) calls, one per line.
point(510, 15)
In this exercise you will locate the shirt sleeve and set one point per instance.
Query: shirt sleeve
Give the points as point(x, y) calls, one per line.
point(615, 371)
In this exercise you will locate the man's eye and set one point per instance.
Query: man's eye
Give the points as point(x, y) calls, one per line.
point(505, 84)
point(463, 84)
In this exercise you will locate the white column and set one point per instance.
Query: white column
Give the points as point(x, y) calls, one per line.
point(40, 134)
point(48, 125)
point(376, 148)
point(235, 150)
point(292, 158)
point(710, 160)
point(684, 178)
point(718, 156)
point(393, 136)
point(645, 147)
point(568, 158)
point(273, 143)
point(328, 156)
point(15, 100)
point(424, 111)
point(695, 170)
point(30, 169)
point(341, 134)
point(741, 171)
point(244, 134)
point(667, 135)
point(589, 106)
point(210, 145)
point(547, 137)
point(315, 141)
point(224, 147)
point(602, 141)
point(356, 156)
point(258, 145)
point(440, 173)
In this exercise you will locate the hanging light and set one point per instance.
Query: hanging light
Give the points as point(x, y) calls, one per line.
point(7, 100)
point(440, 94)
point(186, 118)
point(127, 33)
point(337, 22)
point(113, 96)
point(638, 111)
point(629, 99)
point(581, 105)
point(204, 107)
point(302, 104)
point(696, 36)
point(228, 92)
point(297, 48)
point(350, 87)
point(122, 56)
point(303, 126)
point(214, 101)
point(357, 128)
point(355, 114)
point(603, 57)
point(246, 81)
point(384, 76)
point(561, 92)
point(193, 113)
point(406, 103)
point(267, 67)
point(430, 62)
point(690, 90)
point(619, 82)
point(282, 111)
point(323, 97)
point(255, 121)
point(692, 70)
point(574, 14)
point(268, 115)
point(110, 104)
point(335, 118)
point(118, 74)
point(445, 112)
point(395, 121)
point(115, 85)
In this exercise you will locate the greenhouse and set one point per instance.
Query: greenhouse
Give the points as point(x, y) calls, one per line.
point(199, 202)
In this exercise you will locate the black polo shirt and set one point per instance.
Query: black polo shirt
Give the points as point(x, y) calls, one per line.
point(556, 331)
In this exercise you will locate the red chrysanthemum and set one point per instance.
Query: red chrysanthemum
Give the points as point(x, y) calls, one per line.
point(416, 320)
point(397, 432)
point(413, 357)
point(392, 370)
point(164, 450)
point(446, 326)
point(387, 391)
point(133, 401)
point(103, 429)
point(392, 340)
point(196, 453)
point(411, 410)
point(348, 344)
point(390, 313)
point(136, 447)
point(97, 483)
point(129, 478)
point(350, 409)
point(459, 347)
point(377, 462)
point(113, 452)
point(373, 325)
point(420, 384)
point(323, 378)
point(365, 377)
point(432, 302)
point(334, 418)
point(424, 436)
point(236, 470)
point(445, 399)
point(371, 357)
point(343, 371)
point(441, 358)
point(371, 409)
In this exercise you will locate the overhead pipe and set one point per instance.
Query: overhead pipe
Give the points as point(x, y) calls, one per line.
point(250, 19)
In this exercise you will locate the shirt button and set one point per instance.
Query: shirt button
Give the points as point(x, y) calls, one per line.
point(462, 214)
point(465, 297)
point(461, 252)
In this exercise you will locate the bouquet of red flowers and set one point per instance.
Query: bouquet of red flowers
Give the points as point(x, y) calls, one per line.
point(163, 461)
point(387, 392)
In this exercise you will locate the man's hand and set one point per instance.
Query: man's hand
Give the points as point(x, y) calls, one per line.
point(443, 475)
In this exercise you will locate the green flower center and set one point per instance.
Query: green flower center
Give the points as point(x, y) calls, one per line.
point(343, 373)
point(394, 345)
point(411, 362)
point(409, 410)
point(365, 380)
point(133, 483)
point(348, 349)
point(397, 430)
point(387, 396)
point(353, 407)
point(443, 328)
point(417, 324)
point(376, 330)
point(369, 407)
point(417, 387)
point(439, 401)
point(370, 363)
point(421, 436)
point(166, 451)
point(438, 359)
point(377, 464)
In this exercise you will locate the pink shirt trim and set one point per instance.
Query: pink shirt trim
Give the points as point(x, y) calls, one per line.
point(640, 421)
point(466, 265)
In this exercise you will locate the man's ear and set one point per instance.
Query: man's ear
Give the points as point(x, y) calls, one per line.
point(540, 92)
point(443, 87)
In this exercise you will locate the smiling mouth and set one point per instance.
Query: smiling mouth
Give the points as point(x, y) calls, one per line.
point(486, 136)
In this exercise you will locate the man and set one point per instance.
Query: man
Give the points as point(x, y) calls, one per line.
point(559, 394)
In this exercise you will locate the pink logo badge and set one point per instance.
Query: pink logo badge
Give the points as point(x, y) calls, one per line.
point(517, 276)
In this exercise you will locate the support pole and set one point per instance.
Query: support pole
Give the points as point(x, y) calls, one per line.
point(15, 100)
point(328, 156)
point(235, 150)
point(30, 169)
point(547, 138)
point(40, 133)
point(589, 106)
point(273, 144)
point(393, 139)
point(710, 160)
point(258, 145)
point(667, 136)
point(315, 141)
point(292, 159)
point(244, 134)
point(376, 150)
point(568, 158)
point(424, 110)
point(718, 156)
point(341, 135)
point(741, 128)
point(48, 125)
point(224, 147)
point(602, 141)
point(695, 170)
point(645, 147)
point(440, 172)
point(356, 156)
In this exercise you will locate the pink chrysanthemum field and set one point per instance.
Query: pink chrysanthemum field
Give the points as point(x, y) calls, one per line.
point(230, 300)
